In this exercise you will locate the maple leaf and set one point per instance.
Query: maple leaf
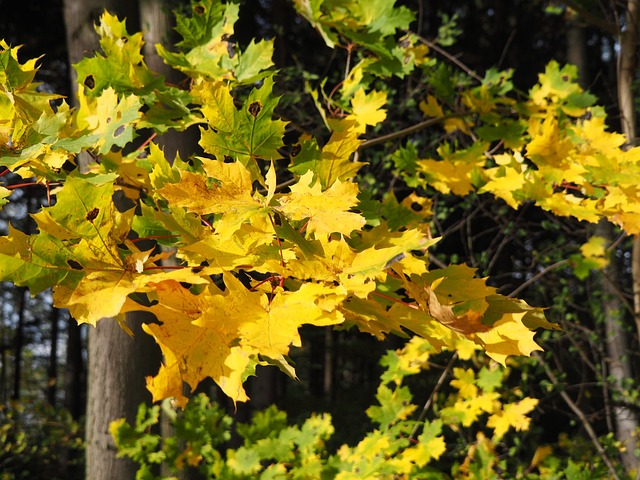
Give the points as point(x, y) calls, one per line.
point(507, 180)
point(226, 190)
point(334, 161)
point(367, 108)
point(508, 336)
point(248, 134)
point(193, 352)
point(326, 211)
point(395, 405)
point(558, 86)
point(208, 48)
point(107, 119)
point(430, 445)
point(548, 145)
point(512, 415)
point(121, 67)
point(451, 174)
point(220, 334)
point(270, 326)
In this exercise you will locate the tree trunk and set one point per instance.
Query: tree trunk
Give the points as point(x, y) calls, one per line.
point(18, 344)
point(118, 365)
point(74, 373)
point(52, 371)
point(626, 420)
point(618, 359)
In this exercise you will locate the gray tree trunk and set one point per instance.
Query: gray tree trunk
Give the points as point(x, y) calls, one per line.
point(627, 423)
point(616, 334)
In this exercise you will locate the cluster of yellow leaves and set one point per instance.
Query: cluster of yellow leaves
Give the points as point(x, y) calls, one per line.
point(566, 160)
point(252, 261)
point(477, 396)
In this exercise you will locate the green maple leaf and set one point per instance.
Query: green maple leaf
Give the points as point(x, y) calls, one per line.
point(104, 121)
point(122, 66)
point(31, 262)
point(253, 62)
point(247, 134)
point(209, 20)
point(394, 405)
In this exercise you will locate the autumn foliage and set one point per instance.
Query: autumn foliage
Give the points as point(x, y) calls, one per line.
point(234, 249)
point(256, 257)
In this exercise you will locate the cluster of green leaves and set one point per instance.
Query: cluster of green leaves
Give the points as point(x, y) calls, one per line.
point(260, 243)
point(38, 442)
point(403, 442)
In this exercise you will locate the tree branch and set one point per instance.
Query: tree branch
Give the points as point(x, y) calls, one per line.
point(581, 416)
point(409, 130)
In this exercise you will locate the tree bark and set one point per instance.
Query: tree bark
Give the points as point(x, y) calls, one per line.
point(52, 371)
point(626, 420)
point(18, 344)
point(118, 365)
point(618, 360)
point(74, 373)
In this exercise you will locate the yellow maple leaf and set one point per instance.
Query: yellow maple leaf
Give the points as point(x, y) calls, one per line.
point(422, 453)
point(431, 107)
point(193, 352)
point(508, 336)
point(336, 156)
point(548, 146)
point(596, 246)
point(568, 205)
point(367, 108)
point(326, 211)
point(505, 181)
point(512, 415)
point(448, 176)
point(270, 325)
point(226, 190)
point(465, 382)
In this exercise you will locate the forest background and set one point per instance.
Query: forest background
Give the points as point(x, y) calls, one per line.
point(527, 250)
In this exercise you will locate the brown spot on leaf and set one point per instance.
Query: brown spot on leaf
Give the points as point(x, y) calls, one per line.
point(89, 82)
point(255, 108)
point(92, 214)
point(119, 131)
point(75, 265)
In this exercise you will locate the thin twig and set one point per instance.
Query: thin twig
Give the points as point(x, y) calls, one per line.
point(448, 56)
point(434, 392)
point(581, 416)
point(538, 275)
